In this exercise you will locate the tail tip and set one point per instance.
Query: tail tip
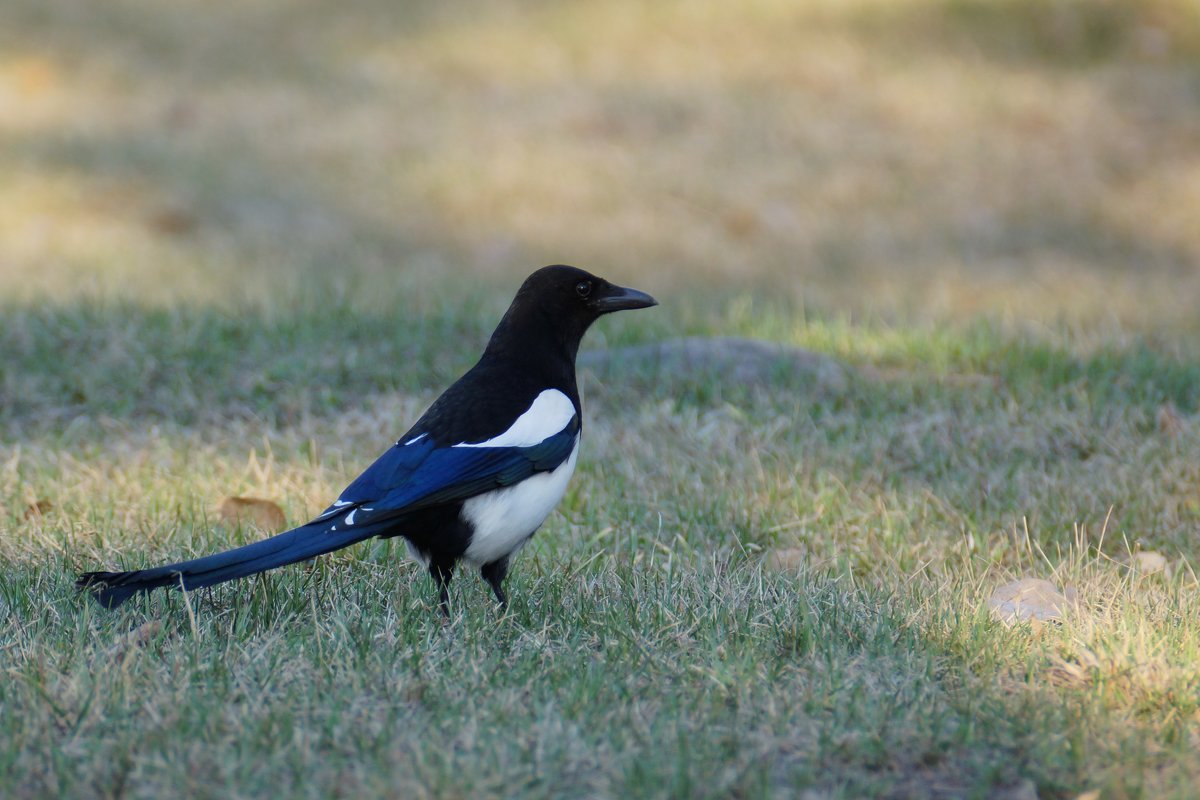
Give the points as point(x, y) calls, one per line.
point(103, 589)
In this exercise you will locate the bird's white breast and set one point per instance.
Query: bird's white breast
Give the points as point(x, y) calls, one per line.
point(503, 519)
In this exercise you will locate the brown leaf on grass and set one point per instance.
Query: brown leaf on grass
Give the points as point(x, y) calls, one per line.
point(35, 75)
point(1169, 420)
point(172, 220)
point(37, 508)
point(788, 559)
point(143, 634)
point(254, 511)
point(140, 636)
point(741, 223)
point(1149, 562)
point(1030, 599)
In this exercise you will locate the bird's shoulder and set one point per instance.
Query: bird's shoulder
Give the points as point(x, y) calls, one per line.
point(485, 404)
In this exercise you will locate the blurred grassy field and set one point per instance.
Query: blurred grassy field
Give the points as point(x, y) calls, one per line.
point(242, 245)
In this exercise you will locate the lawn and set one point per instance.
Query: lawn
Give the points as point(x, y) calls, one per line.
point(243, 245)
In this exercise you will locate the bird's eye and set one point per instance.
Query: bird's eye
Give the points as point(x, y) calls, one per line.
point(583, 288)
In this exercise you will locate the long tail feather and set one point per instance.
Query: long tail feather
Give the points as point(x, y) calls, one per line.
point(111, 589)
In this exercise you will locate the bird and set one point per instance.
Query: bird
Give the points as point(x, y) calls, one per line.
point(471, 480)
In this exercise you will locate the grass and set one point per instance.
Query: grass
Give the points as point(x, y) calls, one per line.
point(244, 245)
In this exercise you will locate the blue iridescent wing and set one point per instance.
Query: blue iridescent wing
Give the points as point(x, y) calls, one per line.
point(410, 477)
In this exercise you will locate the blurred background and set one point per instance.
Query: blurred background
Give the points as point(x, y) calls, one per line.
point(908, 160)
point(243, 243)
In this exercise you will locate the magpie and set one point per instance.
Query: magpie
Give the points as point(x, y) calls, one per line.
point(474, 477)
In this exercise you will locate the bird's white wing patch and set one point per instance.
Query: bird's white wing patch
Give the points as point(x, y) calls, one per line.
point(549, 414)
point(334, 509)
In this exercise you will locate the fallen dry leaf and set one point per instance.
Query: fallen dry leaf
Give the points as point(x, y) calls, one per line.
point(1030, 599)
point(37, 508)
point(742, 223)
point(1149, 562)
point(140, 636)
point(1093, 794)
point(172, 220)
point(1169, 421)
point(35, 75)
point(254, 511)
point(789, 559)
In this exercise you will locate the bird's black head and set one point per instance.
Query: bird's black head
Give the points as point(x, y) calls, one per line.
point(556, 305)
point(569, 291)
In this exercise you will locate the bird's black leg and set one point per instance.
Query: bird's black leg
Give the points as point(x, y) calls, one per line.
point(442, 572)
point(493, 572)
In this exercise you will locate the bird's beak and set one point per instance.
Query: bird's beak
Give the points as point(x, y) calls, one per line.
point(619, 298)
